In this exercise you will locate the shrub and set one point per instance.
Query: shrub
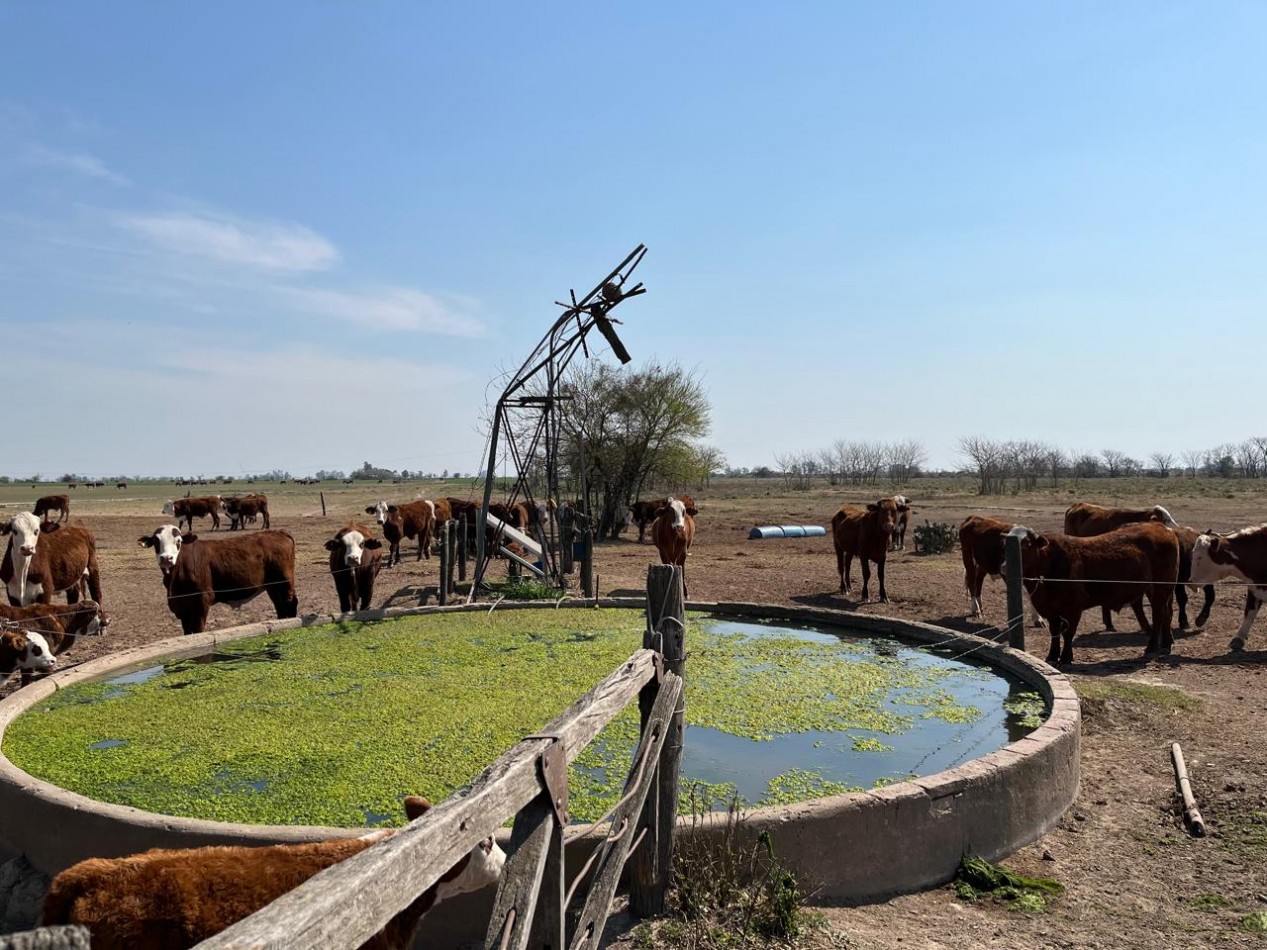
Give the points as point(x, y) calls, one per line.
point(935, 538)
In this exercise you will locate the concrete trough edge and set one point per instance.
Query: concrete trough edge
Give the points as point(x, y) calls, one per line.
point(851, 848)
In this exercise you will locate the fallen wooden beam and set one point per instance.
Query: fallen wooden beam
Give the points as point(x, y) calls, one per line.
point(514, 534)
point(1190, 812)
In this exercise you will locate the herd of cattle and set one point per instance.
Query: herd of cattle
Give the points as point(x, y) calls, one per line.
point(45, 557)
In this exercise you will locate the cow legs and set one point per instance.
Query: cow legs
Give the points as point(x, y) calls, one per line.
point(879, 570)
point(1062, 630)
point(1252, 603)
point(282, 594)
point(215, 520)
point(1204, 615)
point(1138, 607)
point(973, 579)
point(840, 567)
point(1159, 637)
point(1181, 600)
point(848, 568)
point(1107, 616)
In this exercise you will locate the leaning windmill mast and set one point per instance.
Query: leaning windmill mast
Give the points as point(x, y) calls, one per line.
point(526, 417)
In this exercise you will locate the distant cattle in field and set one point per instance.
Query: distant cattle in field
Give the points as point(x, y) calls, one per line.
point(415, 519)
point(58, 503)
point(1067, 575)
point(198, 574)
point(42, 560)
point(642, 513)
point(1241, 555)
point(354, 564)
point(187, 509)
point(673, 531)
point(864, 533)
point(348, 481)
point(246, 508)
point(981, 546)
point(120, 484)
point(175, 899)
point(72, 485)
point(57, 627)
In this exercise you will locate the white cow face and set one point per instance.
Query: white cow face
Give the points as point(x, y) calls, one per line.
point(353, 547)
point(37, 657)
point(679, 511)
point(379, 512)
point(166, 542)
point(169, 509)
point(25, 528)
point(1213, 560)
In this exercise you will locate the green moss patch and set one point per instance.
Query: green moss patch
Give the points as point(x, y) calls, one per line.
point(334, 725)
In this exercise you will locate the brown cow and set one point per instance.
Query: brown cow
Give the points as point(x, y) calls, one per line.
point(981, 545)
point(187, 509)
point(414, 519)
point(1085, 520)
point(865, 533)
point(1241, 555)
point(60, 503)
point(673, 531)
point(44, 559)
point(354, 564)
point(241, 509)
point(198, 573)
point(174, 899)
point(1066, 575)
point(642, 513)
point(58, 626)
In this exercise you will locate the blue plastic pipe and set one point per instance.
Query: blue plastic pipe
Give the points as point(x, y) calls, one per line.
point(787, 531)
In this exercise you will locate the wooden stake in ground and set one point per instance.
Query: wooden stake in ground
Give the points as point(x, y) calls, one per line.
point(1194, 819)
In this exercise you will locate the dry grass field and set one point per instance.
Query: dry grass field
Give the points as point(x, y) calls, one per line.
point(1134, 877)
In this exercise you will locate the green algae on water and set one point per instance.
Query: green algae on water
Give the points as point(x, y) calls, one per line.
point(334, 725)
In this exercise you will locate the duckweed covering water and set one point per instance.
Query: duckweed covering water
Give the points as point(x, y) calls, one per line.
point(334, 725)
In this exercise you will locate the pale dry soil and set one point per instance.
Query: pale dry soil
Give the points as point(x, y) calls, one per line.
point(1134, 876)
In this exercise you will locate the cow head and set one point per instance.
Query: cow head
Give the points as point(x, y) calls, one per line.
point(30, 652)
point(483, 866)
point(885, 513)
point(25, 528)
point(87, 619)
point(1035, 552)
point(166, 542)
point(353, 544)
point(169, 509)
point(676, 511)
point(380, 511)
point(1212, 559)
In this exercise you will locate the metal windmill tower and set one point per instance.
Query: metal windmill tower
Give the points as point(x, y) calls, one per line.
point(525, 430)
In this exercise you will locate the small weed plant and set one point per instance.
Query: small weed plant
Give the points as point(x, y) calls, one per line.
point(979, 880)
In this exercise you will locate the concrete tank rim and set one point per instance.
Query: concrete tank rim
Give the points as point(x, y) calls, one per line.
point(1060, 728)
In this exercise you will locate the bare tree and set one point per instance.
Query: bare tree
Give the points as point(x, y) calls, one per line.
point(988, 462)
point(1113, 460)
point(1247, 459)
point(1162, 463)
point(1192, 459)
point(1055, 463)
point(905, 459)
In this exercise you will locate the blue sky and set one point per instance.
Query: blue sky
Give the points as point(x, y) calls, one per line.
point(240, 236)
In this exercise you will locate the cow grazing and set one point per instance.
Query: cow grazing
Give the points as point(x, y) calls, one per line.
point(1066, 575)
point(1084, 520)
point(898, 540)
point(865, 533)
point(1241, 555)
point(120, 484)
point(642, 513)
point(415, 519)
point(233, 571)
point(58, 626)
point(981, 545)
point(187, 509)
point(58, 503)
point(42, 560)
point(243, 509)
point(174, 899)
point(673, 531)
point(355, 560)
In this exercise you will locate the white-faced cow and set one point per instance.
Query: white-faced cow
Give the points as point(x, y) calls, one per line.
point(187, 509)
point(898, 540)
point(232, 571)
point(673, 531)
point(415, 519)
point(981, 545)
point(52, 629)
point(244, 509)
point(355, 560)
point(1241, 555)
point(42, 560)
point(174, 899)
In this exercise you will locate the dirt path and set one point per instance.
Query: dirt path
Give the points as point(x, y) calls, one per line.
point(1134, 877)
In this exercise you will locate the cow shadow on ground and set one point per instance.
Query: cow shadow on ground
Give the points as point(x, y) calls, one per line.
point(832, 599)
point(1136, 662)
point(961, 624)
point(626, 592)
point(411, 595)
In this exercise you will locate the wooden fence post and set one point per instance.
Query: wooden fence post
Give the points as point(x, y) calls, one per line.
point(652, 863)
point(451, 554)
point(442, 582)
point(461, 548)
point(323, 503)
point(567, 535)
point(587, 561)
point(1015, 592)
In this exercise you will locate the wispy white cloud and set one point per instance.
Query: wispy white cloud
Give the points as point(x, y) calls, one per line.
point(267, 245)
point(393, 308)
point(79, 163)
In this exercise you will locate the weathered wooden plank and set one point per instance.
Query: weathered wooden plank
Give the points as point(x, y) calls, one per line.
point(614, 851)
point(521, 877)
point(345, 905)
point(666, 631)
point(551, 931)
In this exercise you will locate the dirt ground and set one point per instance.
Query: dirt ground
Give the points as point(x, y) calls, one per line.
point(1134, 876)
